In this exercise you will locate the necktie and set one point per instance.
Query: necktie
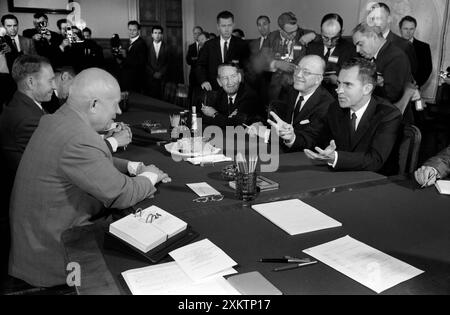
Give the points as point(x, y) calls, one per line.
point(297, 108)
point(14, 44)
point(327, 55)
point(230, 101)
point(353, 127)
point(225, 51)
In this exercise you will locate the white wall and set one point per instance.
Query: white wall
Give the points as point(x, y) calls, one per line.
point(309, 12)
point(104, 17)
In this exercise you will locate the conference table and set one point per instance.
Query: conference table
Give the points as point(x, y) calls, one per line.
point(392, 215)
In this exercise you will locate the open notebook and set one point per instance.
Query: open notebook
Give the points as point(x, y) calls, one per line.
point(147, 229)
point(443, 186)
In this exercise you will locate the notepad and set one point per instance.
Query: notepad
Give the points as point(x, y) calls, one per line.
point(295, 217)
point(369, 266)
point(170, 279)
point(253, 283)
point(209, 159)
point(203, 189)
point(148, 229)
point(443, 186)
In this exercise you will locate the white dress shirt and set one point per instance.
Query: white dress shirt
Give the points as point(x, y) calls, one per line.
point(157, 47)
point(222, 44)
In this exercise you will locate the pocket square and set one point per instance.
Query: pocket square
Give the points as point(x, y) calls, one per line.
point(304, 122)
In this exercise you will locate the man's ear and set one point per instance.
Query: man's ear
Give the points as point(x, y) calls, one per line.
point(220, 83)
point(65, 76)
point(93, 106)
point(368, 88)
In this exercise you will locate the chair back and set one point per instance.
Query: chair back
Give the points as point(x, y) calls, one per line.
point(409, 149)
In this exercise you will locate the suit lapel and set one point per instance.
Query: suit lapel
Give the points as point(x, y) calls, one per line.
point(365, 123)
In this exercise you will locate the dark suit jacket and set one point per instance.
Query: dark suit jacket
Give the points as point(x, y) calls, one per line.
point(375, 137)
point(159, 64)
point(394, 66)
point(191, 60)
point(26, 47)
point(43, 47)
point(17, 124)
point(344, 51)
point(134, 65)
point(210, 58)
point(425, 68)
point(441, 162)
point(246, 104)
point(309, 122)
point(408, 49)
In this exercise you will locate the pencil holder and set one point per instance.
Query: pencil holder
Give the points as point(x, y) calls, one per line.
point(246, 188)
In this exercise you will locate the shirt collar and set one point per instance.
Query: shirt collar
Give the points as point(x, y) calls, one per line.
point(386, 33)
point(360, 112)
point(378, 51)
point(222, 41)
point(233, 97)
point(325, 50)
point(38, 104)
point(132, 40)
point(157, 44)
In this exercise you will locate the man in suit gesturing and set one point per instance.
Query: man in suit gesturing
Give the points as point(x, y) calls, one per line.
point(224, 49)
point(300, 120)
point(363, 129)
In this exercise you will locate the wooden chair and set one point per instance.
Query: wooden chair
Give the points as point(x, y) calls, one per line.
point(409, 150)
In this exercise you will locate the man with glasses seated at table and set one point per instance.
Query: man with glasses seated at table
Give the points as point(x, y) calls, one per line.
point(302, 116)
point(435, 168)
point(363, 129)
point(67, 176)
point(333, 48)
point(235, 104)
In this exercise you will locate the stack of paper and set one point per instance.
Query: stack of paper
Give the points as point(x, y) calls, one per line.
point(148, 229)
point(443, 186)
point(198, 269)
point(364, 264)
point(209, 159)
point(295, 216)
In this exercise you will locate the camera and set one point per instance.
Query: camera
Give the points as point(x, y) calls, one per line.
point(116, 45)
point(43, 27)
point(445, 74)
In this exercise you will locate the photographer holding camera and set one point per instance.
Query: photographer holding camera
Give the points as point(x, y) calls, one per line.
point(44, 40)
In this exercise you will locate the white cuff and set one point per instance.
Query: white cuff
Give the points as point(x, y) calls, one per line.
point(290, 143)
point(267, 136)
point(333, 165)
point(151, 176)
point(133, 167)
point(113, 142)
point(272, 66)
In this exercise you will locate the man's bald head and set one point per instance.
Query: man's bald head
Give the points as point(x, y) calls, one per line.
point(309, 74)
point(96, 93)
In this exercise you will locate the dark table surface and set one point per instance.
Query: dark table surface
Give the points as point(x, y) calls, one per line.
point(392, 215)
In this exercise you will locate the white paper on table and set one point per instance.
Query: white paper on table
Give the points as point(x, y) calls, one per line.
point(170, 279)
point(202, 259)
point(203, 189)
point(443, 186)
point(295, 217)
point(364, 264)
point(216, 158)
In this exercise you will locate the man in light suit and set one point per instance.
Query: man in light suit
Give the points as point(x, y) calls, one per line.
point(19, 45)
point(363, 129)
point(158, 62)
point(437, 167)
point(67, 175)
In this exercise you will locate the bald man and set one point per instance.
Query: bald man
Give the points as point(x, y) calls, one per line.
point(299, 119)
point(67, 176)
point(334, 49)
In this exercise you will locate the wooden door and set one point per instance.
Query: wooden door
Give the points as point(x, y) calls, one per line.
point(168, 14)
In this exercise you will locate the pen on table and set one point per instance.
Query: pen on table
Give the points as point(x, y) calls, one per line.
point(289, 267)
point(430, 177)
point(284, 260)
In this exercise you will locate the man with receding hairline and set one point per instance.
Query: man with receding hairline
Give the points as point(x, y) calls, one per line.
point(67, 176)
